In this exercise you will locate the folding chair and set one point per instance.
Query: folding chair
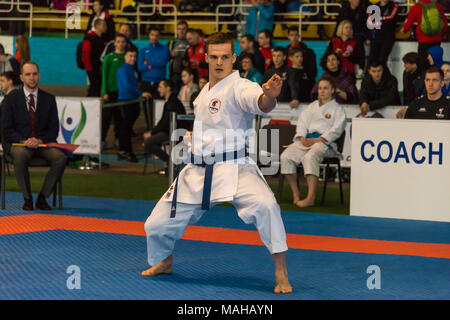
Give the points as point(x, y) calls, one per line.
point(35, 162)
point(326, 162)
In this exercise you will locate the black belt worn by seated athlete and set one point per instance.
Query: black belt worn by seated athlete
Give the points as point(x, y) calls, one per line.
point(207, 183)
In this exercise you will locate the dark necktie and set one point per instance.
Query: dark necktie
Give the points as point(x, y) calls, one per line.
point(31, 112)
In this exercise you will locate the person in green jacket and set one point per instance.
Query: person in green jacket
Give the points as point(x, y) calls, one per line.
point(112, 63)
point(248, 71)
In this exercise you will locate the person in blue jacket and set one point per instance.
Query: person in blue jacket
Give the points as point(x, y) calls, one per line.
point(260, 17)
point(152, 63)
point(128, 89)
point(435, 56)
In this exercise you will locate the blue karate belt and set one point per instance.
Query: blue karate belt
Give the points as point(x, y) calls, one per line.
point(316, 134)
point(207, 183)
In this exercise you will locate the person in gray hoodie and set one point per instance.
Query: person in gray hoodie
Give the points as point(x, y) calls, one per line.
point(9, 63)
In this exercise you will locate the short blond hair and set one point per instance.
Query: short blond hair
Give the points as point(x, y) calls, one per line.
point(340, 27)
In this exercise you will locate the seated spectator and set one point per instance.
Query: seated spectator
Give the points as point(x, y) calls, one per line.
point(128, 89)
point(427, 36)
point(413, 85)
point(202, 81)
point(260, 17)
point(248, 71)
point(161, 132)
point(346, 91)
point(379, 89)
point(111, 64)
point(265, 46)
point(196, 52)
point(345, 46)
point(435, 55)
point(383, 34)
point(248, 46)
point(152, 63)
point(434, 104)
point(9, 63)
point(7, 80)
point(100, 11)
point(30, 117)
point(189, 87)
point(125, 30)
point(318, 127)
point(280, 67)
point(299, 81)
point(309, 57)
point(446, 70)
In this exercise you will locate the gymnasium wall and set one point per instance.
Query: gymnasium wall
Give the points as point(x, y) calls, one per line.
point(57, 61)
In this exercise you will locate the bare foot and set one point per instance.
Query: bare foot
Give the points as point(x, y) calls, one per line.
point(282, 283)
point(281, 276)
point(304, 203)
point(164, 267)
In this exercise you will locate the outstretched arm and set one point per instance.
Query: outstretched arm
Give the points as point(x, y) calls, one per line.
point(272, 88)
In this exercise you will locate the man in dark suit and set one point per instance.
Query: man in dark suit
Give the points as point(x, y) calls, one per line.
point(30, 117)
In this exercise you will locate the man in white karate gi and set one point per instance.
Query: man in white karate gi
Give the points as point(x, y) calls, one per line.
point(221, 169)
point(318, 127)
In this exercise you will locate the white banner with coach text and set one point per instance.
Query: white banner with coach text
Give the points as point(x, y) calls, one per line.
point(400, 169)
point(284, 112)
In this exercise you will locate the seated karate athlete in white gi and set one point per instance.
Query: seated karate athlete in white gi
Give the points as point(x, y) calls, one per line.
point(225, 106)
point(319, 125)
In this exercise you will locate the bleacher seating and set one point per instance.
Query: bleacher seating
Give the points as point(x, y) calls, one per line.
point(42, 20)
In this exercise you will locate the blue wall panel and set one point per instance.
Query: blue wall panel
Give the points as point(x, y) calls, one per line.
point(57, 58)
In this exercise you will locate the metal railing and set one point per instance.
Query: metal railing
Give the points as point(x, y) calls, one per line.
point(17, 4)
point(144, 104)
point(173, 15)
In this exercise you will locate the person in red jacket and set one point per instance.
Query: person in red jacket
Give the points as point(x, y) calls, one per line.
point(345, 46)
point(196, 52)
point(265, 46)
point(425, 41)
point(93, 46)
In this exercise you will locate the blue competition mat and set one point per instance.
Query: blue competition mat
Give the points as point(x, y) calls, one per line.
point(34, 265)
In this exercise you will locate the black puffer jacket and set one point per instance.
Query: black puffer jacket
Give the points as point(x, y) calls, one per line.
point(381, 95)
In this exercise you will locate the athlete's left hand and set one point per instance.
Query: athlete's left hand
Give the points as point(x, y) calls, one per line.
point(272, 88)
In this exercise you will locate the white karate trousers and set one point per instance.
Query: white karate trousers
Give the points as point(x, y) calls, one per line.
point(254, 202)
point(311, 158)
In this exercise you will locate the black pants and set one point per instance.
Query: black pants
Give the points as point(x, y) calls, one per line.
point(380, 49)
point(110, 113)
point(95, 83)
point(153, 145)
point(129, 115)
